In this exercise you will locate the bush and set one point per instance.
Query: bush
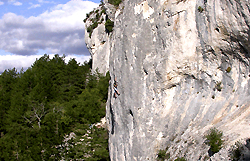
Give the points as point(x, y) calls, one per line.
point(214, 140)
point(235, 152)
point(115, 2)
point(95, 21)
point(228, 69)
point(90, 30)
point(200, 9)
point(109, 25)
point(218, 86)
point(103, 11)
point(238, 151)
point(94, 25)
point(87, 16)
point(162, 154)
point(180, 159)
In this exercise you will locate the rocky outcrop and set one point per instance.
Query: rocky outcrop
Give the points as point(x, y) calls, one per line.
point(97, 40)
point(182, 67)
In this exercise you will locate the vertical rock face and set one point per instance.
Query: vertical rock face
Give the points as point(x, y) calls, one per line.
point(182, 67)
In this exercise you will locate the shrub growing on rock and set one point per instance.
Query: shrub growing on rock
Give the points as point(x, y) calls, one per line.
point(162, 154)
point(228, 69)
point(109, 25)
point(236, 151)
point(214, 140)
point(200, 9)
point(240, 151)
point(115, 2)
point(218, 86)
point(180, 159)
point(91, 28)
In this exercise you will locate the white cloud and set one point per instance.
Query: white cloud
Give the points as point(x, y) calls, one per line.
point(59, 30)
point(17, 3)
point(1, 3)
point(42, 1)
point(14, 2)
point(19, 61)
point(34, 6)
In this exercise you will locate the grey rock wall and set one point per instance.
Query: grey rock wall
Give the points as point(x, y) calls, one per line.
point(180, 71)
point(98, 43)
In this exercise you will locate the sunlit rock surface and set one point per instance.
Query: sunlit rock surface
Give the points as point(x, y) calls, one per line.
point(182, 67)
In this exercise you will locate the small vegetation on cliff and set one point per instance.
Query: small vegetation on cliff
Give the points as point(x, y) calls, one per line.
point(180, 159)
point(236, 151)
point(218, 86)
point(98, 19)
point(115, 2)
point(109, 26)
point(240, 151)
point(200, 9)
point(162, 154)
point(214, 140)
point(228, 69)
point(95, 21)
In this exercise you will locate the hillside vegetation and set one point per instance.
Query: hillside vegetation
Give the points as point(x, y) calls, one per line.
point(49, 111)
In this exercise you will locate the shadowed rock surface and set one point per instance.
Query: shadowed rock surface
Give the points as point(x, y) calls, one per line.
point(182, 67)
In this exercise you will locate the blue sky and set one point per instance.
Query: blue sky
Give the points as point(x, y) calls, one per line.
point(31, 28)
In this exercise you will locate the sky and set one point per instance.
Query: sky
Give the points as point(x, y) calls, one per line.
point(31, 28)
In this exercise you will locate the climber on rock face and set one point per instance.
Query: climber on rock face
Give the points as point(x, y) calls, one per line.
point(115, 89)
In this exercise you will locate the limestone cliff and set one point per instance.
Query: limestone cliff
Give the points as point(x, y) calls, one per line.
point(182, 67)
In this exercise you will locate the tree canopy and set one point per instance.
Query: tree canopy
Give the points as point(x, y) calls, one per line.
point(44, 105)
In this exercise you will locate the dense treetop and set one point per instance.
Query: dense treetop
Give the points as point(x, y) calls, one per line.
point(44, 105)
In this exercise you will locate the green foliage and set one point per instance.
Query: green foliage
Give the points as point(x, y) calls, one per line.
point(218, 86)
point(206, 157)
point(88, 142)
point(103, 11)
point(236, 151)
point(109, 25)
point(200, 9)
point(162, 154)
point(214, 140)
point(88, 15)
point(115, 2)
point(91, 28)
point(40, 106)
point(95, 21)
point(228, 69)
point(180, 159)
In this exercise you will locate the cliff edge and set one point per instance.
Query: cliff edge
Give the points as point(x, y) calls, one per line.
point(182, 67)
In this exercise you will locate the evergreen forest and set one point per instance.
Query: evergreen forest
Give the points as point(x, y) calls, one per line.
point(50, 112)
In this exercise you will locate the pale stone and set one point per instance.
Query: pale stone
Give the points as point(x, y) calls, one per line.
point(168, 58)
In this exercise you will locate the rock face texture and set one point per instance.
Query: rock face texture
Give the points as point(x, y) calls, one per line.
point(182, 67)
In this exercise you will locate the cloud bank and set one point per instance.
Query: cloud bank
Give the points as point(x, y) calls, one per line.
point(17, 4)
point(58, 30)
point(20, 61)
